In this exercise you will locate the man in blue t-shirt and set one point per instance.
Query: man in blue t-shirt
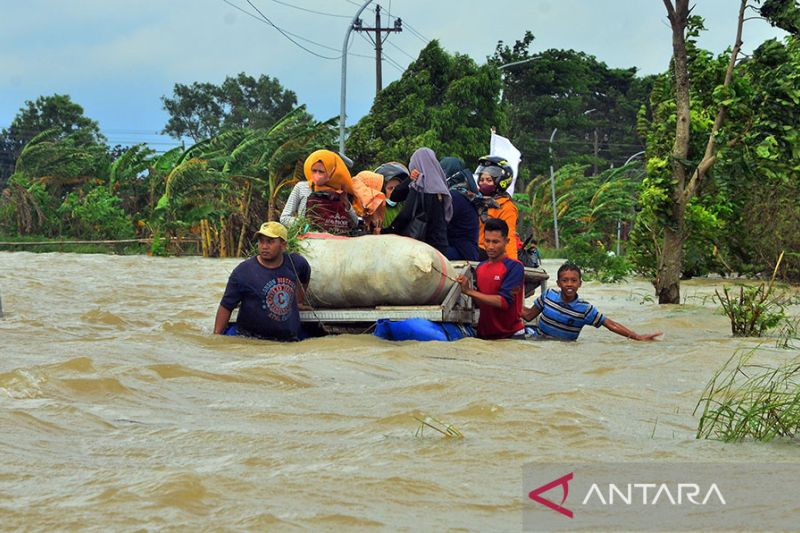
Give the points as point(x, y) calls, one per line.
point(562, 314)
point(269, 288)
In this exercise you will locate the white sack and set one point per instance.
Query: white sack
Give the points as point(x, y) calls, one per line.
point(375, 270)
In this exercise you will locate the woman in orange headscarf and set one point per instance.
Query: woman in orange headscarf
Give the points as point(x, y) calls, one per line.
point(328, 205)
point(374, 184)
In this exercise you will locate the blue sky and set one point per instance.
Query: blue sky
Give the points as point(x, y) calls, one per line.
point(117, 58)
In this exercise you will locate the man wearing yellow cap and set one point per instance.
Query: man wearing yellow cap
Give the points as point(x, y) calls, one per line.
point(269, 289)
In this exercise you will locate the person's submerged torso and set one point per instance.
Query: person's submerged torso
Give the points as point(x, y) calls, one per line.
point(269, 300)
point(565, 320)
point(504, 278)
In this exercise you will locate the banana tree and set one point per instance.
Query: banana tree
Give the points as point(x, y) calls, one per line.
point(211, 187)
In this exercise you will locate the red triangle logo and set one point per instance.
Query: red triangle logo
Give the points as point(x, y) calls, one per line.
point(563, 481)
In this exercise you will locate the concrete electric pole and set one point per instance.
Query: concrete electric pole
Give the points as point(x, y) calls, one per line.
point(378, 41)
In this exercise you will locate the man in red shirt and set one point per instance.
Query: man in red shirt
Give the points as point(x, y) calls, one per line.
point(499, 286)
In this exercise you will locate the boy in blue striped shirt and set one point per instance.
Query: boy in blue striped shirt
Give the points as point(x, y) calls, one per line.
point(562, 314)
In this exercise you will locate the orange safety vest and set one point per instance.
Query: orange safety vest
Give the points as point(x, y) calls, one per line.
point(509, 213)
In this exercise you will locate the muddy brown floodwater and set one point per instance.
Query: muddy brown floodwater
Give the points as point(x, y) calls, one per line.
point(120, 410)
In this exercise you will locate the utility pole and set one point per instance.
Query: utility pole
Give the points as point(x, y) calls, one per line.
point(378, 41)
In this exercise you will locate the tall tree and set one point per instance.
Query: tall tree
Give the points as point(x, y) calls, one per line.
point(203, 110)
point(686, 175)
point(785, 14)
point(213, 187)
point(445, 102)
point(592, 107)
point(758, 162)
point(56, 113)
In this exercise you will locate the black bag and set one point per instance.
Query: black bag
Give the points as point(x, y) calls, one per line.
point(417, 228)
point(525, 256)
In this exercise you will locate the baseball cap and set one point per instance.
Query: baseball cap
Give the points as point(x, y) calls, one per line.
point(274, 230)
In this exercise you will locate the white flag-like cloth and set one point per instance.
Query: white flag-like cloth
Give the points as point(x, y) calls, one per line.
point(500, 146)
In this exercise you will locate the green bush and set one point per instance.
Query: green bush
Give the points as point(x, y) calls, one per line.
point(97, 215)
point(756, 309)
point(598, 262)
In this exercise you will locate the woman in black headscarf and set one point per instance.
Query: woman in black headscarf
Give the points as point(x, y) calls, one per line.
point(463, 228)
point(428, 200)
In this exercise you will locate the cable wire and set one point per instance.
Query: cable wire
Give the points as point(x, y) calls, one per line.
point(415, 33)
point(401, 50)
point(280, 30)
point(300, 37)
point(388, 59)
point(285, 34)
point(312, 11)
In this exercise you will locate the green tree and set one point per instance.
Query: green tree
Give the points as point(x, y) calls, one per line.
point(223, 187)
point(95, 215)
point(784, 14)
point(57, 113)
point(130, 178)
point(758, 162)
point(589, 210)
point(61, 163)
point(445, 102)
point(51, 168)
point(706, 213)
point(592, 107)
point(667, 198)
point(203, 110)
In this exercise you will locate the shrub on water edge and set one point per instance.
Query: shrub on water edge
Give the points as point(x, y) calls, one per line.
point(756, 309)
point(158, 247)
point(97, 215)
point(597, 262)
point(752, 312)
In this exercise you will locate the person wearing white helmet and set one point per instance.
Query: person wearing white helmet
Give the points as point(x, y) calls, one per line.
point(494, 177)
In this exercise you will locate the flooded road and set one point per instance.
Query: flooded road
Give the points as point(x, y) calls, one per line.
point(119, 409)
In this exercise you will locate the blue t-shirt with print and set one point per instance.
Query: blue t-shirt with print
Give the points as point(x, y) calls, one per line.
point(267, 297)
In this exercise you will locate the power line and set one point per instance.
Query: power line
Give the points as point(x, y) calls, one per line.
point(312, 11)
point(394, 63)
point(359, 5)
point(403, 51)
point(416, 33)
point(300, 37)
point(280, 30)
point(388, 59)
point(285, 34)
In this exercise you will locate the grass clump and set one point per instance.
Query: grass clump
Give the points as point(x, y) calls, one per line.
point(751, 401)
point(789, 334)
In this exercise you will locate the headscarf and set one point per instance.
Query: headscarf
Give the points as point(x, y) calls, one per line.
point(372, 183)
point(431, 179)
point(340, 180)
point(458, 177)
point(392, 171)
point(338, 175)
